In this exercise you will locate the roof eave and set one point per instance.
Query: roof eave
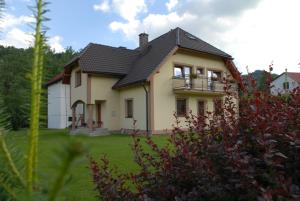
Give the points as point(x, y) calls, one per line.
point(136, 83)
point(104, 73)
point(204, 52)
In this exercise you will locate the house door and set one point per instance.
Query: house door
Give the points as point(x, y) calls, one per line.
point(99, 120)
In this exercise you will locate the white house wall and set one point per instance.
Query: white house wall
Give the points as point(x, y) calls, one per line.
point(58, 105)
point(278, 84)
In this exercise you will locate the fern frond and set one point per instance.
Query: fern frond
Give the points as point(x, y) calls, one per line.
point(9, 160)
point(7, 188)
point(36, 90)
point(73, 151)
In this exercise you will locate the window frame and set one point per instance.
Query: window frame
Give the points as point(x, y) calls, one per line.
point(126, 108)
point(78, 82)
point(204, 106)
point(202, 69)
point(186, 106)
point(286, 85)
point(181, 69)
point(182, 66)
point(215, 72)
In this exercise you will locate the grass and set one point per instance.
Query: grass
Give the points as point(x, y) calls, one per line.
point(79, 186)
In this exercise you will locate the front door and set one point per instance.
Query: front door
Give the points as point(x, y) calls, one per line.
point(99, 120)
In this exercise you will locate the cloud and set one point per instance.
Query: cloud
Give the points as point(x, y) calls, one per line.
point(55, 44)
point(125, 9)
point(254, 32)
point(13, 33)
point(129, 11)
point(263, 35)
point(103, 6)
point(205, 17)
point(9, 21)
point(171, 4)
point(17, 38)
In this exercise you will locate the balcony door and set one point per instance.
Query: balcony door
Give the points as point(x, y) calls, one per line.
point(213, 76)
point(185, 73)
point(187, 76)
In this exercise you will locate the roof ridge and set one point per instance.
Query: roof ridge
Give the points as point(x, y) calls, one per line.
point(98, 44)
point(202, 41)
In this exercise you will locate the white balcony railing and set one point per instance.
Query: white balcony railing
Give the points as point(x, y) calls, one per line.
point(200, 84)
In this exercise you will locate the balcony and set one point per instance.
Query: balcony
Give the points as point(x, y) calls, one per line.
point(200, 85)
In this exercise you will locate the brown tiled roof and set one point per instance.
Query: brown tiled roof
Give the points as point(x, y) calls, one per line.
point(135, 66)
point(97, 58)
point(55, 79)
point(294, 76)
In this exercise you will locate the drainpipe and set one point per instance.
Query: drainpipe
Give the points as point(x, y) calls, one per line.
point(286, 80)
point(147, 109)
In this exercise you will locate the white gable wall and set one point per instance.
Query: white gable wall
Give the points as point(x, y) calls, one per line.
point(59, 105)
point(278, 84)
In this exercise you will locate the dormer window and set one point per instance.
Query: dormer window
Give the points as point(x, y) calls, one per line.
point(78, 78)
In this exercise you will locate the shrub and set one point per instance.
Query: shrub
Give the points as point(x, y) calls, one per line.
point(250, 155)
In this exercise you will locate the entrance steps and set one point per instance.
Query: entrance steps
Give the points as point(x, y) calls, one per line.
point(87, 131)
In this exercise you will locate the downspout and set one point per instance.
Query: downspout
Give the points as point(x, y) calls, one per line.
point(147, 109)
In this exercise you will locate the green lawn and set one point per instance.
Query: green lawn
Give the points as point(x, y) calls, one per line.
point(79, 188)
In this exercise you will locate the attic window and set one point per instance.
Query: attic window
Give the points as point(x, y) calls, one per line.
point(191, 37)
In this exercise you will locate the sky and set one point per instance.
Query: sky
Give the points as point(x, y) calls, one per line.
point(256, 33)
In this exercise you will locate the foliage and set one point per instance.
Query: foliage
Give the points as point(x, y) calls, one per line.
point(15, 84)
point(250, 156)
point(13, 186)
point(53, 145)
point(36, 92)
point(260, 76)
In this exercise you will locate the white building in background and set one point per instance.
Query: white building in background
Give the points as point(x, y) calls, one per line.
point(285, 82)
point(59, 111)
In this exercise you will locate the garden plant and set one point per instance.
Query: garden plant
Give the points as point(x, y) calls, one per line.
point(249, 151)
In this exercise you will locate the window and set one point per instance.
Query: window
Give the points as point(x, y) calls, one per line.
point(77, 78)
point(286, 85)
point(215, 75)
point(129, 108)
point(200, 71)
point(178, 72)
point(218, 106)
point(201, 108)
point(181, 106)
point(182, 71)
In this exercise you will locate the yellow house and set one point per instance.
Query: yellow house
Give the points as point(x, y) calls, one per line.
point(175, 73)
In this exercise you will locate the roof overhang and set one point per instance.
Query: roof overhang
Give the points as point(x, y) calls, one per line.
point(55, 79)
point(205, 53)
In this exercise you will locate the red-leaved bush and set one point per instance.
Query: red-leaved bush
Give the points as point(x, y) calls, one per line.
point(247, 153)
